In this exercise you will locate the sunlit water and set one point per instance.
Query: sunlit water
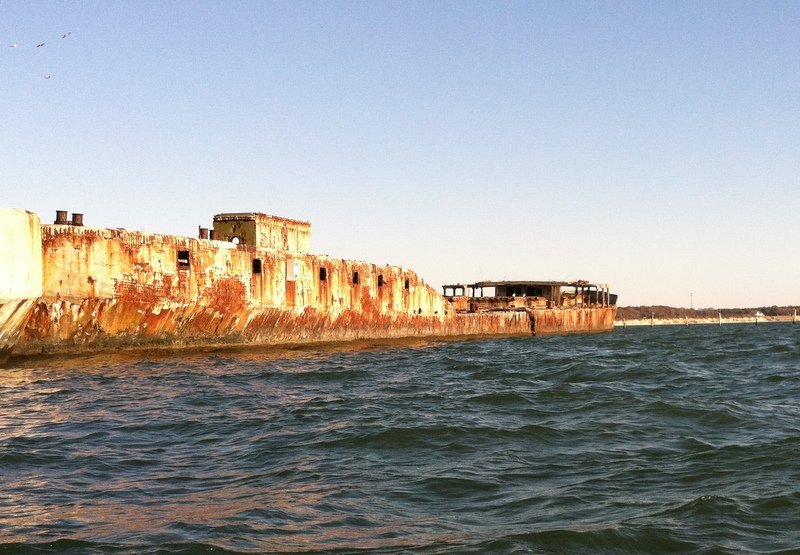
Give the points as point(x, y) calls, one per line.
point(663, 440)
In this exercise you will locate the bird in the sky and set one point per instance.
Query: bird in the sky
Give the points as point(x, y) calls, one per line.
point(12, 45)
point(40, 45)
point(65, 35)
point(47, 76)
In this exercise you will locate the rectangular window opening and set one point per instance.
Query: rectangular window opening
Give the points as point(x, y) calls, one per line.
point(380, 280)
point(355, 278)
point(407, 284)
point(323, 274)
point(256, 265)
point(183, 258)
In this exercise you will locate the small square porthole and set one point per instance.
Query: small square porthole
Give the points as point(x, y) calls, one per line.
point(380, 280)
point(256, 265)
point(355, 278)
point(323, 274)
point(183, 258)
point(407, 283)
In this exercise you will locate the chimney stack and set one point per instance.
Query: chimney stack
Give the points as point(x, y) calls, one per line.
point(203, 233)
point(77, 219)
point(61, 218)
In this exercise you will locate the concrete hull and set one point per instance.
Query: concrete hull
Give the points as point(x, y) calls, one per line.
point(573, 320)
point(69, 289)
point(38, 327)
point(14, 316)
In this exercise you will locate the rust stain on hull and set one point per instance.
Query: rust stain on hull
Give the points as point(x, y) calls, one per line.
point(70, 328)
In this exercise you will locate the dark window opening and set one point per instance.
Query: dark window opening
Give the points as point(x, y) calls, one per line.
point(256, 265)
point(380, 280)
point(407, 284)
point(183, 258)
point(355, 278)
point(323, 274)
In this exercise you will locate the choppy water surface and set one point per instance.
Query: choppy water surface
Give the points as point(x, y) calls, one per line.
point(674, 439)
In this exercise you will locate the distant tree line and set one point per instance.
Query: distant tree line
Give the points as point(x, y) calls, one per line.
point(672, 313)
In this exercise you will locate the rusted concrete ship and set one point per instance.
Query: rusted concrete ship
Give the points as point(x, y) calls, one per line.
point(250, 280)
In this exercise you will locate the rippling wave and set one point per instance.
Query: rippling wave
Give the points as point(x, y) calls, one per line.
point(664, 440)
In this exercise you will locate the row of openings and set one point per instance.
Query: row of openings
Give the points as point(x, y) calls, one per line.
point(183, 260)
point(323, 276)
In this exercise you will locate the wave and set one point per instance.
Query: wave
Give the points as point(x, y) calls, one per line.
point(80, 547)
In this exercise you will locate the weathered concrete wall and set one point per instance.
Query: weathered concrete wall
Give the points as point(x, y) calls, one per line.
point(572, 320)
point(72, 327)
point(261, 230)
point(20, 254)
point(20, 273)
point(14, 316)
point(86, 262)
point(121, 288)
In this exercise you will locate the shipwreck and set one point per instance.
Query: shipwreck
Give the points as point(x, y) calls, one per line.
point(247, 280)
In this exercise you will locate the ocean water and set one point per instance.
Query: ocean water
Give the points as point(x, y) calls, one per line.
point(663, 440)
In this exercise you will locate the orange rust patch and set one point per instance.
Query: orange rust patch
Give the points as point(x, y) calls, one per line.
point(146, 293)
point(39, 323)
point(226, 295)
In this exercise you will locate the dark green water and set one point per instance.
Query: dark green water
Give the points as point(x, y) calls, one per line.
point(664, 440)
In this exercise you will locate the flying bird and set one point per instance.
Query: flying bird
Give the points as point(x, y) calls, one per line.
point(12, 45)
point(40, 45)
point(65, 35)
point(47, 76)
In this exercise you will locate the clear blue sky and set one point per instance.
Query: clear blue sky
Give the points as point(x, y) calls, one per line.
point(651, 145)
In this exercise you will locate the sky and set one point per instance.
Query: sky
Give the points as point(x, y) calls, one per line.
point(653, 146)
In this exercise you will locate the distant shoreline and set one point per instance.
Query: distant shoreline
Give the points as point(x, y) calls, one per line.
point(752, 320)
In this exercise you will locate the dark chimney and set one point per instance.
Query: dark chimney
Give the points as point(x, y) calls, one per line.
point(77, 219)
point(61, 217)
point(212, 234)
point(203, 233)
